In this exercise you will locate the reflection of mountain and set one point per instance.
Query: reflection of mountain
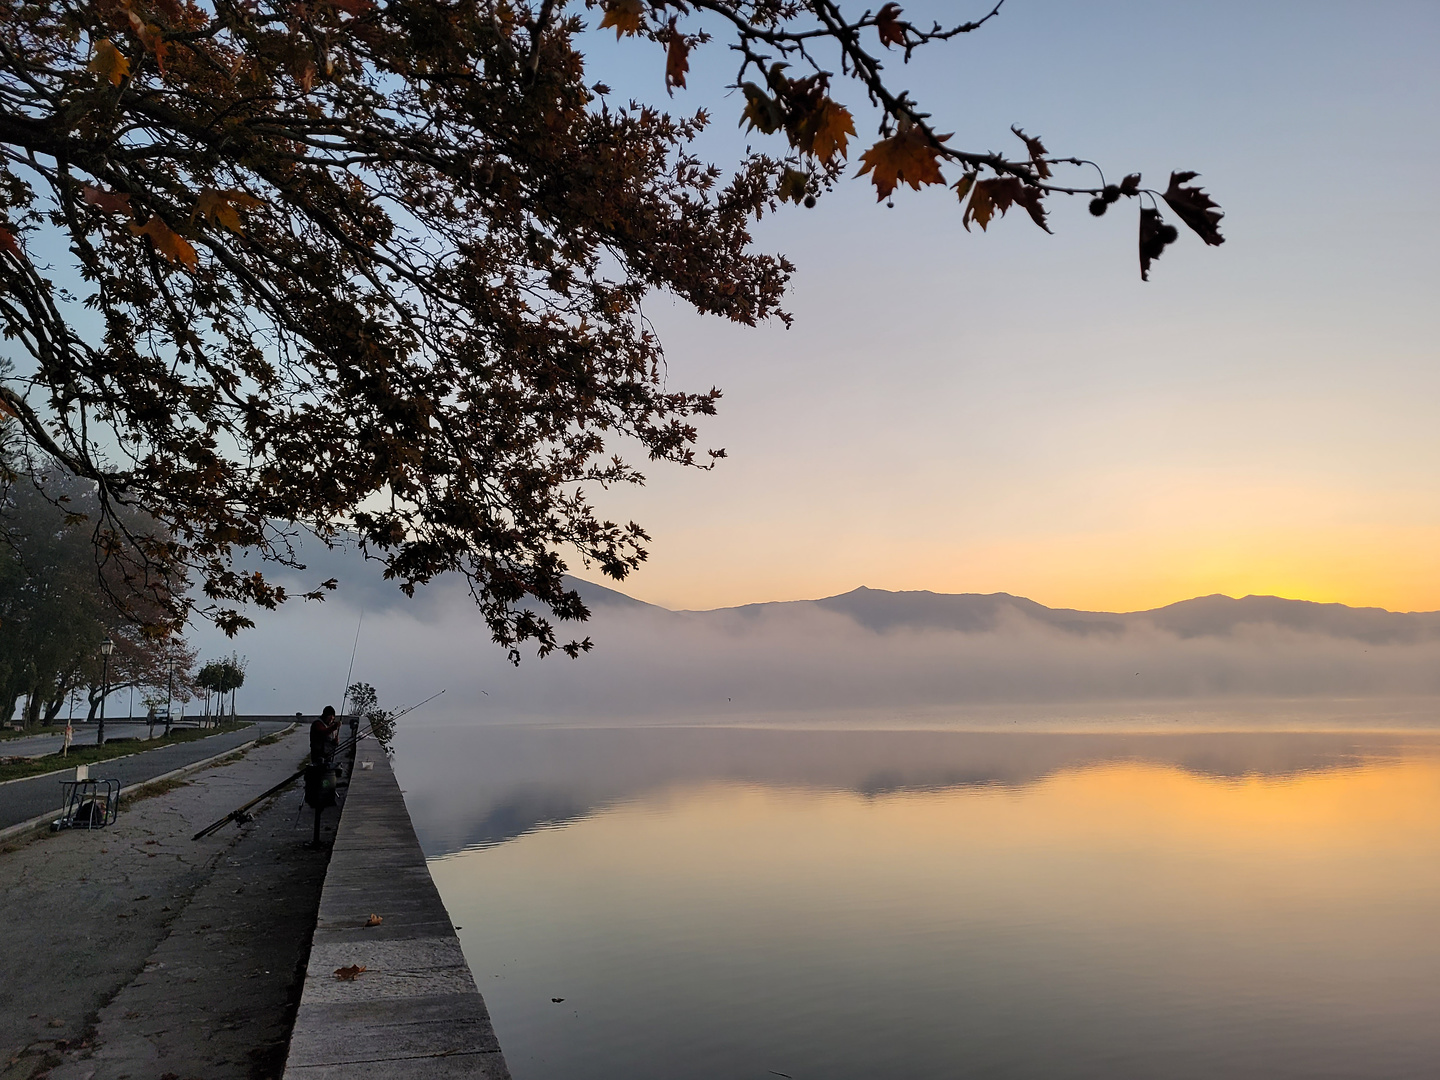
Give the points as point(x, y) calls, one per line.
point(475, 787)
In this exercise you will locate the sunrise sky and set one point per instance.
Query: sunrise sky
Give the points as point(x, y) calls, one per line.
point(1018, 412)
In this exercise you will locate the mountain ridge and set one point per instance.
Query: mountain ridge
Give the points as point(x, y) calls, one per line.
point(1215, 615)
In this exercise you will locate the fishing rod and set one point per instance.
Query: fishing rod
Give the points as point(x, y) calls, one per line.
point(240, 814)
point(346, 693)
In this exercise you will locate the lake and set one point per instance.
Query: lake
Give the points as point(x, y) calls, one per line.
point(1045, 901)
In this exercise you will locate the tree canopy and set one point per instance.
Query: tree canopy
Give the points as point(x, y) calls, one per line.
point(348, 267)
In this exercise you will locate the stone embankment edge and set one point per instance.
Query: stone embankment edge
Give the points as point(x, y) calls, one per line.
point(38, 824)
point(410, 1007)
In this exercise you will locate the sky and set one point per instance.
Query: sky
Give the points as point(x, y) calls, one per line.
point(1011, 411)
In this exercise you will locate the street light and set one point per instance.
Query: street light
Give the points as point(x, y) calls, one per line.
point(169, 691)
point(106, 648)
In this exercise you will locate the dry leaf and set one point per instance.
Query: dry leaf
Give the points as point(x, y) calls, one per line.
point(374, 920)
point(1130, 185)
point(1195, 207)
point(887, 22)
point(831, 127)
point(906, 157)
point(626, 16)
point(112, 202)
point(222, 207)
point(109, 61)
point(761, 110)
point(1037, 152)
point(791, 186)
point(167, 241)
point(1154, 235)
point(677, 60)
point(1000, 194)
point(351, 973)
point(964, 184)
point(9, 243)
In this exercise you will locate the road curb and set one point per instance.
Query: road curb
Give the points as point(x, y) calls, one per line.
point(37, 824)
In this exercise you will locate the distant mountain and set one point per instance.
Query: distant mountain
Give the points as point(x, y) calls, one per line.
point(1205, 616)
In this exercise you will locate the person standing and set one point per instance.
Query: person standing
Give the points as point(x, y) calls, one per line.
point(320, 773)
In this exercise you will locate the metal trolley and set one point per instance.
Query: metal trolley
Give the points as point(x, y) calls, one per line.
point(87, 804)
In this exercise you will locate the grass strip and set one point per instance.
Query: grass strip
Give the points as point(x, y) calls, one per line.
point(19, 768)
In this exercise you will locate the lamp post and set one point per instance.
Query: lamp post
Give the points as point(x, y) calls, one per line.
point(106, 648)
point(169, 690)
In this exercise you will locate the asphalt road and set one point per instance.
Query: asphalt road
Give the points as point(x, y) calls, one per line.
point(40, 745)
point(21, 800)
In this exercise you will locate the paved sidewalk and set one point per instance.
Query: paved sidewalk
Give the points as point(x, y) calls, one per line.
point(21, 800)
point(134, 951)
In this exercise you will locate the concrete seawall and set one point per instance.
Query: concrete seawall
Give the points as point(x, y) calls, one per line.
point(415, 1010)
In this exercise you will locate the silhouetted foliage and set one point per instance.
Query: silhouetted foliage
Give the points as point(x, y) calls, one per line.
point(342, 265)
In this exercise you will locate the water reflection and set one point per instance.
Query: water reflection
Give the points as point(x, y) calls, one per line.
point(846, 905)
point(475, 787)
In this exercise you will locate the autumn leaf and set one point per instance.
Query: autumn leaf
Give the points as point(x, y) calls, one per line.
point(906, 157)
point(6, 409)
point(887, 22)
point(761, 110)
point(9, 243)
point(1154, 235)
point(677, 60)
point(1037, 152)
point(964, 184)
point(374, 920)
point(112, 202)
point(351, 973)
point(830, 128)
point(354, 7)
point(221, 207)
point(1130, 185)
point(626, 16)
point(999, 194)
point(792, 186)
point(168, 242)
point(109, 61)
point(1195, 207)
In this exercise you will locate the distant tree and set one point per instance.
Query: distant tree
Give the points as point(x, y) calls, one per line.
point(221, 677)
point(56, 608)
point(334, 265)
point(365, 703)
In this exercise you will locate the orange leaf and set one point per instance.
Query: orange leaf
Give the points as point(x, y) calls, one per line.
point(677, 59)
point(626, 16)
point(9, 243)
point(1000, 194)
point(109, 61)
point(221, 207)
point(906, 157)
point(351, 973)
point(6, 409)
point(374, 920)
point(887, 22)
point(832, 125)
point(963, 185)
point(112, 202)
point(167, 241)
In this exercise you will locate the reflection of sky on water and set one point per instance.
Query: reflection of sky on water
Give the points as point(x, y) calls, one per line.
point(479, 786)
point(845, 904)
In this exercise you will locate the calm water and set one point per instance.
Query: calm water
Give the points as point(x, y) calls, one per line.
point(832, 904)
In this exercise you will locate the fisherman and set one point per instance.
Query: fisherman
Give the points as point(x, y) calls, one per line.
point(324, 737)
point(320, 774)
